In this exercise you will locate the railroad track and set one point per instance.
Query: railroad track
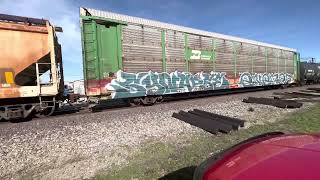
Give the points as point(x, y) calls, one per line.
point(108, 131)
point(117, 105)
point(121, 105)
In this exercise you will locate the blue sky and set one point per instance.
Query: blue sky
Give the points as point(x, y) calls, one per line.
point(293, 24)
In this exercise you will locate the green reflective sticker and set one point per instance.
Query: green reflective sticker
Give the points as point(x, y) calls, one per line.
point(198, 54)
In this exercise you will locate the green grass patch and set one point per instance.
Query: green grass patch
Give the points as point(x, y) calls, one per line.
point(174, 161)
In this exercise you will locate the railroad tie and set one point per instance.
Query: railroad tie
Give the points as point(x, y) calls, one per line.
point(225, 119)
point(209, 128)
point(209, 122)
point(306, 94)
point(274, 102)
point(314, 89)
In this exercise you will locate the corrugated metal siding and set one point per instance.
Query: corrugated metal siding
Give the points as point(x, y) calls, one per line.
point(161, 25)
point(174, 54)
point(224, 63)
point(289, 63)
point(139, 35)
point(141, 49)
point(136, 66)
point(244, 63)
point(174, 39)
point(200, 42)
point(224, 46)
point(178, 65)
point(272, 65)
point(196, 66)
point(175, 51)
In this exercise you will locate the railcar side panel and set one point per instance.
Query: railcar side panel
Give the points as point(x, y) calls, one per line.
point(149, 60)
point(27, 51)
point(30, 66)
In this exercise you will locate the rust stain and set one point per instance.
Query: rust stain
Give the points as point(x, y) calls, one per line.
point(21, 46)
point(20, 49)
point(9, 92)
point(23, 27)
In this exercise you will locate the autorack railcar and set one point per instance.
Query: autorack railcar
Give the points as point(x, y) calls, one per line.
point(143, 60)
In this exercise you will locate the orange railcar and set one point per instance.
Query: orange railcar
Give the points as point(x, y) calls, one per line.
point(30, 66)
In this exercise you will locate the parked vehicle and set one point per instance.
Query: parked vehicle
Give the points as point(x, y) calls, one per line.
point(268, 156)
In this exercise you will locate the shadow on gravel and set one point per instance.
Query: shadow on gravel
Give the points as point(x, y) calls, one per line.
point(20, 120)
point(111, 104)
point(185, 173)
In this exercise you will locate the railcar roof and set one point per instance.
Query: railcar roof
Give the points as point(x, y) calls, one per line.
point(12, 18)
point(162, 25)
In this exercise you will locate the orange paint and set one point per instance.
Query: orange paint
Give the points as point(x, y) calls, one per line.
point(9, 92)
point(234, 82)
point(21, 46)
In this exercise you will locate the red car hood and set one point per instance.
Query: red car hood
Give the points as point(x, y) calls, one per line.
point(276, 157)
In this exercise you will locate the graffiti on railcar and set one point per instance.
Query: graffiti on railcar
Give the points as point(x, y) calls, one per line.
point(264, 79)
point(153, 83)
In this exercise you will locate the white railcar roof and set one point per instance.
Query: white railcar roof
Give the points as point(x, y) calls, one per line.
point(162, 25)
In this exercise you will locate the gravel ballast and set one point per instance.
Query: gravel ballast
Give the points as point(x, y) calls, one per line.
point(79, 146)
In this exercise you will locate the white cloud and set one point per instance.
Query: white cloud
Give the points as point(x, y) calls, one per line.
point(59, 13)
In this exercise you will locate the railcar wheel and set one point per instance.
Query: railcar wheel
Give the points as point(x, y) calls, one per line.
point(45, 113)
point(135, 102)
point(48, 111)
point(159, 99)
point(284, 86)
point(148, 100)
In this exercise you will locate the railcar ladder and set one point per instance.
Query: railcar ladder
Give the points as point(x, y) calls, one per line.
point(42, 68)
point(40, 71)
point(42, 102)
